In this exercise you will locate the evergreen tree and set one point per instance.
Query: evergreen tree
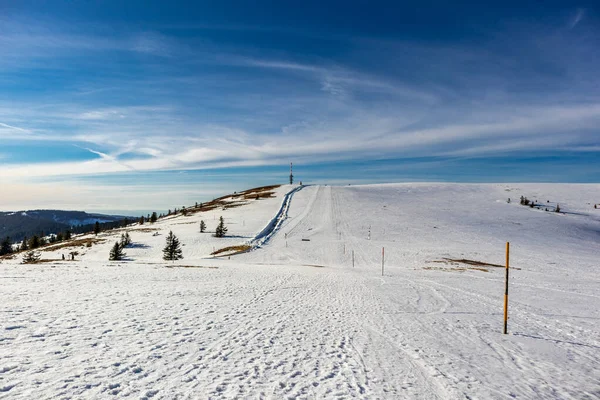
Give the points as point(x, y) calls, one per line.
point(67, 235)
point(153, 218)
point(96, 228)
point(142, 220)
point(221, 229)
point(31, 257)
point(125, 240)
point(202, 226)
point(557, 208)
point(172, 250)
point(24, 245)
point(34, 242)
point(6, 247)
point(116, 253)
point(59, 237)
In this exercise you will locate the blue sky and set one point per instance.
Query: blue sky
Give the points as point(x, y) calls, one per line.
point(103, 102)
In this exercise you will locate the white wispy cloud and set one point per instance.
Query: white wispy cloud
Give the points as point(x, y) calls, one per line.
point(427, 100)
point(576, 18)
point(15, 128)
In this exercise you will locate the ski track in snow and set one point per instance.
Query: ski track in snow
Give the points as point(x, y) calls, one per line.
point(294, 319)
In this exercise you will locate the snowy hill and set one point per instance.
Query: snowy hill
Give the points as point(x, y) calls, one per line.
point(307, 312)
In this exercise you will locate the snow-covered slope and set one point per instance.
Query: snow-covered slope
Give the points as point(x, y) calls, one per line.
point(295, 319)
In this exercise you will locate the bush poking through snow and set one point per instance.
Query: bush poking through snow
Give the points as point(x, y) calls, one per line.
point(202, 226)
point(31, 257)
point(221, 229)
point(116, 253)
point(172, 250)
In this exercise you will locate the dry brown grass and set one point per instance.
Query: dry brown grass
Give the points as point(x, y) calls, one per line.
point(456, 262)
point(454, 269)
point(47, 260)
point(229, 201)
point(234, 249)
point(234, 204)
point(145, 230)
point(471, 262)
point(73, 243)
point(259, 189)
point(259, 195)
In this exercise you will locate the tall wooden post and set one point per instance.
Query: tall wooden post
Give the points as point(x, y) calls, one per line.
point(506, 290)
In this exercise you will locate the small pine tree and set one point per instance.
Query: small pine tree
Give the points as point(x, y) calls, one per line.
point(59, 237)
point(6, 247)
point(34, 242)
point(116, 253)
point(24, 245)
point(142, 220)
point(172, 250)
point(125, 240)
point(31, 257)
point(202, 226)
point(96, 228)
point(557, 208)
point(221, 229)
point(153, 217)
point(67, 235)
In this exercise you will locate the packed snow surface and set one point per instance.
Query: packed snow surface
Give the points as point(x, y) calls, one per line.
point(294, 318)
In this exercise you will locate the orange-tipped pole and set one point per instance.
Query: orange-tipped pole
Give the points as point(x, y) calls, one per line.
point(506, 290)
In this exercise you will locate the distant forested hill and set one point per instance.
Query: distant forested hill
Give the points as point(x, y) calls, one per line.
point(36, 222)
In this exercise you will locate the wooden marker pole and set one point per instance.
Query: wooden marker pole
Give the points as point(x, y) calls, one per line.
point(506, 290)
point(382, 259)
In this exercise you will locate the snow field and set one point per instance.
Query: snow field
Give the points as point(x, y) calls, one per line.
point(294, 319)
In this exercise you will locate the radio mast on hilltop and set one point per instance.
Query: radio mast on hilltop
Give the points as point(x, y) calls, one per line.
point(291, 175)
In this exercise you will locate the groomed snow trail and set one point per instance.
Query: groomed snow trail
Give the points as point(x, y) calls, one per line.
point(444, 326)
point(294, 319)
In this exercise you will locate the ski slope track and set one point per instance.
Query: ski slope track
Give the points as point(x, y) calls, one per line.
point(309, 314)
point(273, 226)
